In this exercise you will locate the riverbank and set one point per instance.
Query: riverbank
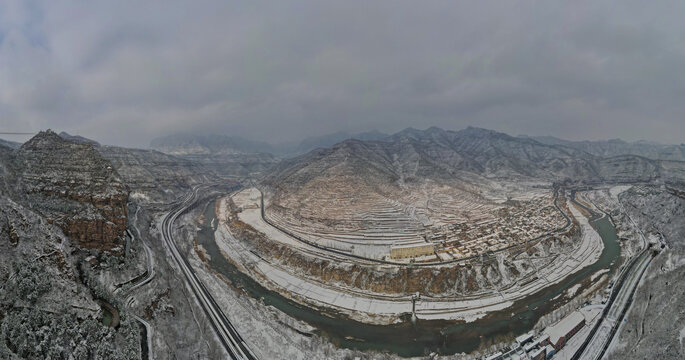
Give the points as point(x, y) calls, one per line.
point(110, 315)
point(383, 309)
point(404, 338)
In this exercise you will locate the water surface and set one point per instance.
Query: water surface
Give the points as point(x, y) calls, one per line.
point(407, 339)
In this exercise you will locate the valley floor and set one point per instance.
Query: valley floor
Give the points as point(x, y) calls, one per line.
point(383, 308)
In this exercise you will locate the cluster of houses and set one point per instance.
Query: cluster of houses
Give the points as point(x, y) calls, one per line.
point(460, 241)
point(510, 227)
point(546, 344)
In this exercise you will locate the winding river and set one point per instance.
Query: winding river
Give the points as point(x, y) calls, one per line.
point(423, 337)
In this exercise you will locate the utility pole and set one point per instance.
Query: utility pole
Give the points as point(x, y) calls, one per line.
point(414, 297)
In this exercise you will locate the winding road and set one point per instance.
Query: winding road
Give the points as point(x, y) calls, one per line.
point(228, 335)
point(150, 273)
point(139, 281)
point(600, 337)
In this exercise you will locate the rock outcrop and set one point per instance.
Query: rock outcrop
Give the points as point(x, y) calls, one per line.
point(72, 185)
point(153, 176)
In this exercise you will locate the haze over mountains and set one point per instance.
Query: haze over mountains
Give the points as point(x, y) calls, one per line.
point(188, 144)
point(441, 154)
point(75, 191)
point(426, 179)
point(412, 153)
point(616, 147)
point(10, 144)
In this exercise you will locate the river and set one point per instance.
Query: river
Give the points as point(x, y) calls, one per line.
point(407, 339)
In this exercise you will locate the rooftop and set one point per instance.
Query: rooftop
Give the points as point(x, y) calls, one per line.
point(525, 337)
point(563, 327)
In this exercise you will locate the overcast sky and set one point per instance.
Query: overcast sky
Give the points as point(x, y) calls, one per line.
point(124, 72)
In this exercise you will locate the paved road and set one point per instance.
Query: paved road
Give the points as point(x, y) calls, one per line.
point(148, 336)
point(150, 273)
point(619, 302)
point(140, 281)
point(233, 343)
point(598, 344)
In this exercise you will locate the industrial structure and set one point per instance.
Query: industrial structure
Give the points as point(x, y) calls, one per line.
point(411, 250)
point(560, 332)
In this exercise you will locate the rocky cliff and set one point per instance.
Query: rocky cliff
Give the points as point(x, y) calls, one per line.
point(72, 185)
point(153, 176)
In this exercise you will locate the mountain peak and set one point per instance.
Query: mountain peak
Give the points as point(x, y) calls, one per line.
point(417, 134)
point(42, 139)
point(481, 132)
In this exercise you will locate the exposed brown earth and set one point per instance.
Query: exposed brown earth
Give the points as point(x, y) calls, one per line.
point(75, 188)
point(477, 275)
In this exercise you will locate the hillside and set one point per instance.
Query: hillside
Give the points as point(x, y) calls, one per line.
point(153, 176)
point(188, 144)
point(63, 214)
point(436, 154)
point(433, 183)
point(616, 147)
point(72, 185)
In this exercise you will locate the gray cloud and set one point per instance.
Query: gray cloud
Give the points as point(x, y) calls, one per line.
point(124, 72)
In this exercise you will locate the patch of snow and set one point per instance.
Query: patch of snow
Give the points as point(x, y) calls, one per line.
point(137, 195)
point(570, 292)
point(617, 190)
point(598, 274)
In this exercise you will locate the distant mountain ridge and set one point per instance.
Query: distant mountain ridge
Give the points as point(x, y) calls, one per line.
point(435, 154)
point(616, 147)
point(78, 139)
point(10, 144)
point(188, 144)
point(197, 145)
point(328, 140)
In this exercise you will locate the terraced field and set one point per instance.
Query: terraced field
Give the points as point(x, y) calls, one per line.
point(457, 222)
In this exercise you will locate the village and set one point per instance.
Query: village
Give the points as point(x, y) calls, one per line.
point(511, 227)
point(551, 340)
point(392, 231)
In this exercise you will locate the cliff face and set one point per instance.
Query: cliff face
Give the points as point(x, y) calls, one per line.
point(74, 187)
point(153, 176)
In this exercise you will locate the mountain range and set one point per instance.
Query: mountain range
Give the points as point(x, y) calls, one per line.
point(188, 144)
point(615, 147)
point(429, 172)
point(434, 153)
point(71, 185)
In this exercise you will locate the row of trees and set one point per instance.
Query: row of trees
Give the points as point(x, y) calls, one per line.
point(29, 281)
point(31, 332)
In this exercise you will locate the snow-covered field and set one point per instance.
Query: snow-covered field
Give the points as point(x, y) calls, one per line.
point(382, 308)
point(269, 333)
